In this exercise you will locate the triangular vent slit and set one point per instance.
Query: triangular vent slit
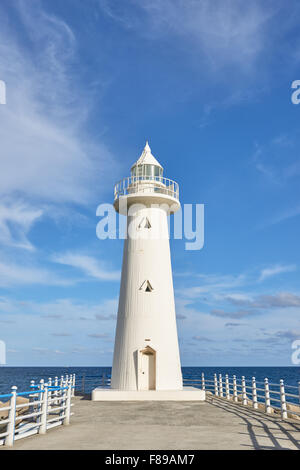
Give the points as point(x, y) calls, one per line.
point(146, 287)
point(145, 223)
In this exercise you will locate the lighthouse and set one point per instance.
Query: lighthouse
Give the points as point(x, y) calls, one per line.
point(146, 361)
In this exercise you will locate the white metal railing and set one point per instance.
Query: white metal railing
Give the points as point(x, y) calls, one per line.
point(146, 184)
point(49, 405)
point(270, 397)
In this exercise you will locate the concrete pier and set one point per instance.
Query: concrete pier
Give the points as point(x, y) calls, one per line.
point(216, 424)
point(186, 394)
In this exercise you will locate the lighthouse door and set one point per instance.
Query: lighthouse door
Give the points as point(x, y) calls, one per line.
point(148, 369)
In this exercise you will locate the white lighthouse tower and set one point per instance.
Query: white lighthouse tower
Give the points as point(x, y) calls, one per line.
point(146, 363)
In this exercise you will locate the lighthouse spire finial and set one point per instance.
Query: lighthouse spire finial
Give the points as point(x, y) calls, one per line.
point(147, 158)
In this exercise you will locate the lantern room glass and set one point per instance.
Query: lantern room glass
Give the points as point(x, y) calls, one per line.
point(147, 171)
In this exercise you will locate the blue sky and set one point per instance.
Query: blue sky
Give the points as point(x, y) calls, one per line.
point(208, 83)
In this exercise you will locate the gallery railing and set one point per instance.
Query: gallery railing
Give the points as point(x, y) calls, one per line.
point(146, 184)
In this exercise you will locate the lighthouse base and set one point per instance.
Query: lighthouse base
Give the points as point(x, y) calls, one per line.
point(186, 394)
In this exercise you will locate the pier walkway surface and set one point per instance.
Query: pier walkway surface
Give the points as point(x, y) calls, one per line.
point(215, 424)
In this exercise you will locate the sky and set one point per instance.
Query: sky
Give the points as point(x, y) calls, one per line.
point(208, 83)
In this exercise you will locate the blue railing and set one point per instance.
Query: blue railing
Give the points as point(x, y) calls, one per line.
point(47, 406)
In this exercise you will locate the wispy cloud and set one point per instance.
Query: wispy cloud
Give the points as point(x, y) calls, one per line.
point(221, 33)
point(282, 216)
point(212, 284)
point(280, 300)
point(283, 299)
point(237, 299)
point(13, 273)
point(278, 159)
point(202, 338)
point(105, 317)
point(55, 323)
point(288, 334)
point(89, 265)
point(72, 309)
point(274, 270)
point(43, 123)
point(236, 314)
point(16, 220)
point(66, 309)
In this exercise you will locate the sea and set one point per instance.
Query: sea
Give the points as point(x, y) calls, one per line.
point(88, 378)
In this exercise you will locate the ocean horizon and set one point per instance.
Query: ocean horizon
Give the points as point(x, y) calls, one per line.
point(93, 376)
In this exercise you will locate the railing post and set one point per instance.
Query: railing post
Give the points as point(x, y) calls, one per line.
point(235, 397)
point(63, 401)
point(61, 384)
point(227, 387)
point(216, 385)
point(32, 396)
point(244, 394)
point(9, 440)
point(254, 394)
point(203, 381)
point(282, 401)
point(55, 393)
point(44, 409)
point(50, 385)
point(299, 390)
point(41, 387)
point(221, 385)
point(68, 403)
point(73, 385)
point(267, 396)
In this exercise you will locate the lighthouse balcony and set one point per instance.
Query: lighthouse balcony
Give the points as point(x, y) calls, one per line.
point(146, 185)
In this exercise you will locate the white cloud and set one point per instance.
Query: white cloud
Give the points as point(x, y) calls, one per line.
point(89, 265)
point(212, 284)
point(45, 151)
point(288, 334)
point(282, 299)
point(237, 298)
point(56, 312)
point(274, 270)
point(283, 215)
point(16, 220)
point(221, 32)
point(278, 161)
point(56, 324)
point(237, 314)
point(72, 309)
point(12, 273)
point(265, 301)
